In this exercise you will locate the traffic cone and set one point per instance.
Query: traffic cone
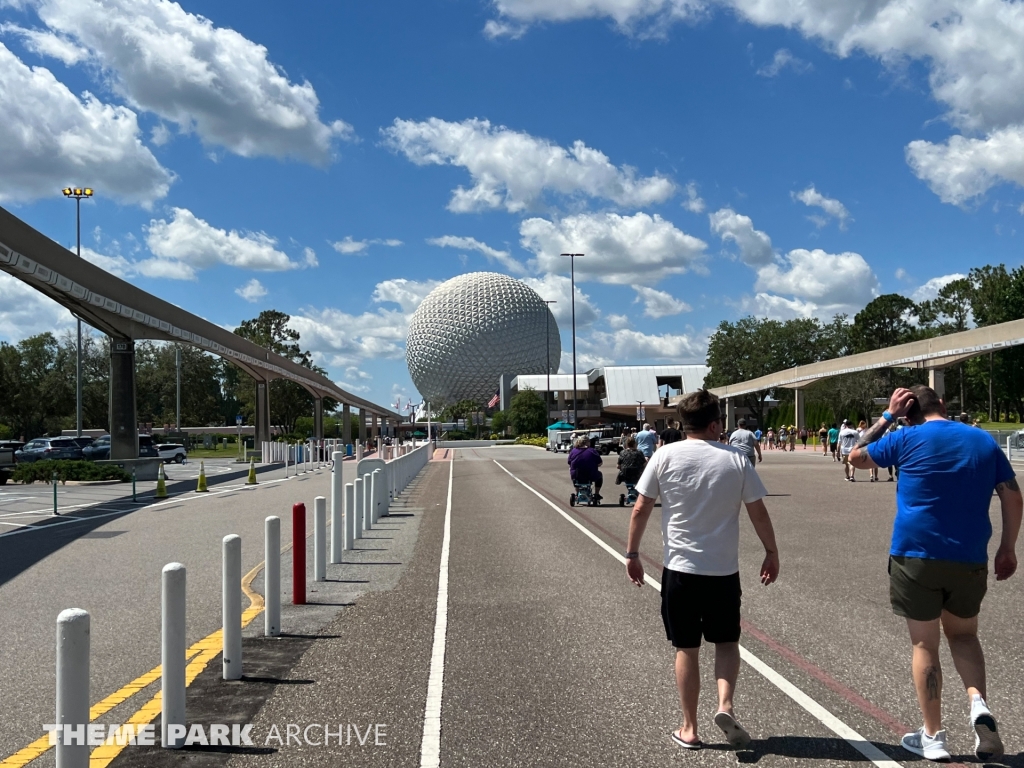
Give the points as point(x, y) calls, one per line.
point(161, 486)
point(201, 488)
point(252, 473)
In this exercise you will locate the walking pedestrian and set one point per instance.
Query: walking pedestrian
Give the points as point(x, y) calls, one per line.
point(646, 440)
point(847, 442)
point(670, 434)
point(823, 437)
point(792, 438)
point(833, 441)
point(771, 439)
point(938, 560)
point(702, 485)
point(746, 441)
point(803, 437)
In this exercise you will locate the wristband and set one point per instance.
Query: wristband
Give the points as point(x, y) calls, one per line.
point(632, 555)
point(888, 417)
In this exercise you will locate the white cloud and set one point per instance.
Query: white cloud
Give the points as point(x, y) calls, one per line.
point(755, 246)
point(348, 246)
point(784, 59)
point(337, 338)
point(659, 303)
point(963, 168)
point(24, 311)
point(166, 268)
point(206, 79)
point(643, 18)
point(972, 52)
point(626, 345)
point(617, 322)
point(252, 291)
point(116, 265)
point(160, 135)
point(930, 289)
point(902, 274)
point(405, 293)
point(199, 245)
point(820, 283)
point(51, 138)
point(504, 258)
point(832, 207)
point(48, 44)
point(513, 170)
point(628, 250)
point(693, 202)
point(557, 288)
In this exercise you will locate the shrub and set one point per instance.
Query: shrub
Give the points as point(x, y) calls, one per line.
point(493, 436)
point(42, 471)
point(540, 442)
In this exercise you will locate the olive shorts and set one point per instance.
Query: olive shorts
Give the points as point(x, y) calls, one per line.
point(922, 589)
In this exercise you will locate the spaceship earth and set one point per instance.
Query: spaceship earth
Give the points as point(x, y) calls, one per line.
point(473, 328)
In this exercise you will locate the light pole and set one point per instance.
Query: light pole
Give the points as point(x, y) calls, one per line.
point(547, 341)
point(177, 370)
point(78, 193)
point(572, 294)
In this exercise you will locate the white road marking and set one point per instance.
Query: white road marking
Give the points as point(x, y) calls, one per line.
point(430, 747)
point(812, 707)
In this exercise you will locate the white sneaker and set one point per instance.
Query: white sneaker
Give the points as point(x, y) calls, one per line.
point(928, 747)
point(987, 744)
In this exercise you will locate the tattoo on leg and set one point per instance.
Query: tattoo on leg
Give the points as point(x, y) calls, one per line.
point(931, 681)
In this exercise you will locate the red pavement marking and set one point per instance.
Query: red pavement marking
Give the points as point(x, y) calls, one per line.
point(442, 454)
point(792, 656)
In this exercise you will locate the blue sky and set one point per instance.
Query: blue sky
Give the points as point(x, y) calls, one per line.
point(335, 161)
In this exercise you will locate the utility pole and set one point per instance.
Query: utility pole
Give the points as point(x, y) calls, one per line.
point(547, 349)
point(78, 193)
point(572, 294)
point(177, 369)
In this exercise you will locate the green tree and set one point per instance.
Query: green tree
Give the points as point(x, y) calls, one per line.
point(884, 322)
point(527, 414)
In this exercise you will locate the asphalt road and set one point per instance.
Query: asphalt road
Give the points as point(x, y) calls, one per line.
point(552, 657)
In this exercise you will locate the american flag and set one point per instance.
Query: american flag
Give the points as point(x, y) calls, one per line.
point(494, 400)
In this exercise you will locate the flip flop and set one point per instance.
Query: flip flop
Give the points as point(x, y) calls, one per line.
point(698, 744)
point(735, 733)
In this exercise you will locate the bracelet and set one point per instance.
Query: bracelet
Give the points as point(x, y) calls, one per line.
point(888, 417)
point(632, 555)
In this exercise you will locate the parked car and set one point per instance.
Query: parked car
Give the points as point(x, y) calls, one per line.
point(7, 461)
point(99, 449)
point(172, 452)
point(48, 448)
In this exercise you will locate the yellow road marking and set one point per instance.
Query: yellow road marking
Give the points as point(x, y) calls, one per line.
point(200, 653)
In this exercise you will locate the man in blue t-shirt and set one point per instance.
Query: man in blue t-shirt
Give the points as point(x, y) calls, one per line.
point(938, 561)
point(646, 440)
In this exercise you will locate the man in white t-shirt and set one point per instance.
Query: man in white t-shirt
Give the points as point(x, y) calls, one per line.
point(702, 484)
point(848, 437)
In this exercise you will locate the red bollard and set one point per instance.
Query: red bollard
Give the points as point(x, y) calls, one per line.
point(298, 554)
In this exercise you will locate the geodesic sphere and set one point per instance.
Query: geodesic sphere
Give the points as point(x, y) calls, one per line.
point(473, 328)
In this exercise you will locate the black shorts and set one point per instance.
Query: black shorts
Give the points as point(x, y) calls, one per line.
point(693, 606)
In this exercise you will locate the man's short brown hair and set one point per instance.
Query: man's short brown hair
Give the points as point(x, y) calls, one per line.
point(698, 409)
point(926, 403)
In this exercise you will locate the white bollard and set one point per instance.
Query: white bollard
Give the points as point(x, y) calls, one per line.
point(359, 450)
point(367, 501)
point(172, 656)
point(378, 494)
point(272, 576)
point(357, 511)
point(337, 500)
point(319, 539)
point(231, 612)
point(350, 505)
point(73, 688)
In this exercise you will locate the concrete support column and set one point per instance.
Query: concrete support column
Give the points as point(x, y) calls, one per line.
point(937, 381)
point(362, 426)
point(561, 404)
point(262, 411)
point(730, 421)
point(318, 418)
point(346, 424)
point(375, 428)
point(124, 424)
point(799, 407)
